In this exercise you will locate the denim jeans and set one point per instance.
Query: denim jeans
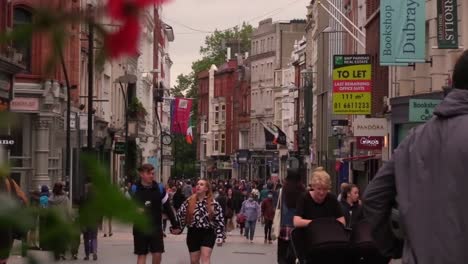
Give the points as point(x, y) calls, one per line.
point(250, 229)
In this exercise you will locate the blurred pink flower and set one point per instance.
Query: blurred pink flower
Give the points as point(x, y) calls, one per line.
point(125, 40)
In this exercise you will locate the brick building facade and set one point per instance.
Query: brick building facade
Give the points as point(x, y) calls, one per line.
point(223, 107)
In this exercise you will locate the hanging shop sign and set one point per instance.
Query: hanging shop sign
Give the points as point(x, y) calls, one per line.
point(447, 24)
point(421, 110)
point(369, 143)
point(352, 82)
point(370, 127)
point(402, 32)
point(119, 148)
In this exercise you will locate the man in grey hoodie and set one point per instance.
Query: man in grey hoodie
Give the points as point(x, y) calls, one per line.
point(427, 178)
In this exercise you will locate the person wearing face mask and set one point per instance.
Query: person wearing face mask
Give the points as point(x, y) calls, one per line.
point(268, 213)
point(251, 210)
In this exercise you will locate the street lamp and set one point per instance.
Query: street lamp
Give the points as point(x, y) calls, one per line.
point(128, 79)
point(308, 103)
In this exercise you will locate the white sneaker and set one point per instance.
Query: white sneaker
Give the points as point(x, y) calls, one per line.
point(251, 241)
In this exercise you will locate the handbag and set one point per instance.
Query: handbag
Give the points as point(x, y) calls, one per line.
point(229, 213)
point(275, 229)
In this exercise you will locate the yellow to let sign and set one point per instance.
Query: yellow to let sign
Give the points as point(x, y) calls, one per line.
point(352, 103)
point(352, 85)
point(354, 72)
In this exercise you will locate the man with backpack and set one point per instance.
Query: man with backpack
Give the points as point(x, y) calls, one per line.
point(152, 199)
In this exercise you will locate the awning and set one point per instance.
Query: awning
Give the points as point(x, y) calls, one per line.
point(360, 158)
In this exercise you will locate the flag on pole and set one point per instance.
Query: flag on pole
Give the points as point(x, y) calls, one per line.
point(281, 137)
point(271, 137)
point(189, 135)
point(181, 116)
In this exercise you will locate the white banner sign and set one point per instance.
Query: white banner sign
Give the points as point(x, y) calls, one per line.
point(370, 127)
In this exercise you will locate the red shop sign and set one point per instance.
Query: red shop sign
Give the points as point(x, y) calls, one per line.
point(369, 143)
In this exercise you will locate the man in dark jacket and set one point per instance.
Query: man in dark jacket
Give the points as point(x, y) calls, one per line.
point(427, 177)
point(152, 197)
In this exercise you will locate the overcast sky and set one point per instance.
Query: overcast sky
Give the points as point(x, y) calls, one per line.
point(189, 17)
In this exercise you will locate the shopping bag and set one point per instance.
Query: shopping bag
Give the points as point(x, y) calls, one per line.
point(275, 229)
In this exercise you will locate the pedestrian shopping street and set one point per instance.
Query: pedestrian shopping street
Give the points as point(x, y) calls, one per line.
point(118, 249)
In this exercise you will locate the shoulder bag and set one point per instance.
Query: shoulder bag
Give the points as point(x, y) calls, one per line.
point(275, 230)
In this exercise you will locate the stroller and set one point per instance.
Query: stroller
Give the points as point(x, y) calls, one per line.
point(362, 247)
point(325, 240)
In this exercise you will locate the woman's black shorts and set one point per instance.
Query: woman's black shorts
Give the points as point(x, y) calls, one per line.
point(200, 237)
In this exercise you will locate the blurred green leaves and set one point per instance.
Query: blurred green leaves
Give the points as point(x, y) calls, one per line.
point(107, 200)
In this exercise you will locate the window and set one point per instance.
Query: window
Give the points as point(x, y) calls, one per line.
point(216, 143)
point(223, 114)
point(204, 150)
point(216, 115)
point(223, 143)
point(244, 140)
point(22, 17)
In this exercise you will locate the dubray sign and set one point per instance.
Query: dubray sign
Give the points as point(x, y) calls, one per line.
point(420, 110)
point(403, 31)
point(370, 127)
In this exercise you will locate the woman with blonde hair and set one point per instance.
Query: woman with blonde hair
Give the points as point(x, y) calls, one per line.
point(203, 216)
point(318, 202)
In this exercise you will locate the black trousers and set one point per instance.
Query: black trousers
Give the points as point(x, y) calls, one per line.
point(268, 225)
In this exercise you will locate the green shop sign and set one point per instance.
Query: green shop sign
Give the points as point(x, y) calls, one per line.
point(420, 110)
point(119, 148)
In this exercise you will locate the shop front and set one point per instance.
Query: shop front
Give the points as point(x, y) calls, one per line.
point(8, 69)
point(409, 112)
point(242, 164)
point(367, 146)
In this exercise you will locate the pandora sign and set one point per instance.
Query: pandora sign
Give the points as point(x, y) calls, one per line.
point(369, 143)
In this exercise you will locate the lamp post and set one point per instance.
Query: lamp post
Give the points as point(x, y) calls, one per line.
point(128, 79)
point(160, 99)
point(308, 104)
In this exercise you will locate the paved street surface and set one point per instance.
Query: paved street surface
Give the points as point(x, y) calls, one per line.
point(118, 249)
